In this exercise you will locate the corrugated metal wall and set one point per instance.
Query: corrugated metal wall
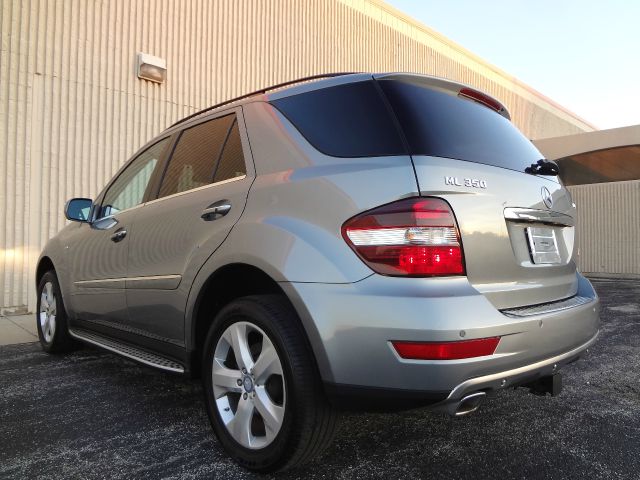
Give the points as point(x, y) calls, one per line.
point(608, 232)
point(72, 109)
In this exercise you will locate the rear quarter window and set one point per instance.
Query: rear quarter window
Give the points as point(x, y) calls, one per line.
point(350, 120)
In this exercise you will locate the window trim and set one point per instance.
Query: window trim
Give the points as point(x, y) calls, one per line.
point(197, 189)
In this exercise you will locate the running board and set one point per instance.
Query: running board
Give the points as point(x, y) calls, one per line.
point(128, 351)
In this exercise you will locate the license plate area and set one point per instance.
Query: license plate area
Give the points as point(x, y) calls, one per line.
point(543, 245)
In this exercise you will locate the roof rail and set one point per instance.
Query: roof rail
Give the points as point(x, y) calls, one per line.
point(263, 90)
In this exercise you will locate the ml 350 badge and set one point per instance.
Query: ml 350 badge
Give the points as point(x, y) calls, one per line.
point(467, 182)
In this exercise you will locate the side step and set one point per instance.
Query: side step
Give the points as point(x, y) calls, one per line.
point(128, 351)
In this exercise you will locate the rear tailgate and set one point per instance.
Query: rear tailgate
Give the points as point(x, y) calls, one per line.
point(497, 250)
point(518, 249)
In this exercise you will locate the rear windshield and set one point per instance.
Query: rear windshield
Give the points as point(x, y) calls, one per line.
point(355, 120)
point(348, 120)
point(439, 124)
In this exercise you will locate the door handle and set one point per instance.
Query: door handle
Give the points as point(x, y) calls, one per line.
point(216, 210)
point(119, 235)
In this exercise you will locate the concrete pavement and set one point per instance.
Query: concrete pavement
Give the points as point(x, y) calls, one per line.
point(18, 329)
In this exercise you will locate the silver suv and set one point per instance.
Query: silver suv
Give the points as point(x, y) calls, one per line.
point(357, 241)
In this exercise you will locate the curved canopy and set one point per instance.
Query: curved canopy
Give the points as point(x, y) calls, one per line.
point(595, 157)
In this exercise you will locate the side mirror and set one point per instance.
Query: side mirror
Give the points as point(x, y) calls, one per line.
point(77, 209)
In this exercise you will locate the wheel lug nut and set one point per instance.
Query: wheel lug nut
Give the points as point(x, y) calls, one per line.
point(239, 382)
point(244, 370)
point(244, 396)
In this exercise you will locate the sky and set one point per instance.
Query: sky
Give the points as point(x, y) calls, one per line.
point(585, 55)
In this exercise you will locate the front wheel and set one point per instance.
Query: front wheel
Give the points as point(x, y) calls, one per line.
point(51, 316)
point(263, 394)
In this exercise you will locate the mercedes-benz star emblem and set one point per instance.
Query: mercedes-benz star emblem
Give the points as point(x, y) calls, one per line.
point(546, 197)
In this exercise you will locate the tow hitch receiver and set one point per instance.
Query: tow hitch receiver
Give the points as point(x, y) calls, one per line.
point(550, 384)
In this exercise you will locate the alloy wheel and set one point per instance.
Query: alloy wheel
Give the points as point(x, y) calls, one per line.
point(248, 385)
point(47, 313)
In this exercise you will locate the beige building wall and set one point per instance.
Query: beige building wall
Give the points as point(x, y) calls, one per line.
point(608, 231)
point(72, 109)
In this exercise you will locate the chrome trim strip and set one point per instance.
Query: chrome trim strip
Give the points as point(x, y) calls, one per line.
point(101, 283)
point(128, 352)
point(161, 282)
point(154, 277)
point(532, 215)
point(494, 381)
point(545, 308)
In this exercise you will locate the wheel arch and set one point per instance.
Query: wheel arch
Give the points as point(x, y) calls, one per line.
point(44, 265)
point(228, 283)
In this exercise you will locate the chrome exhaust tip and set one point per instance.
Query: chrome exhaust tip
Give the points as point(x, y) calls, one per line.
point(468, 404)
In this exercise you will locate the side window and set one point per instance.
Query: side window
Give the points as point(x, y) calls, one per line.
point(349, 120)
point(194, 159)
point(232, 160)
point(128, 189)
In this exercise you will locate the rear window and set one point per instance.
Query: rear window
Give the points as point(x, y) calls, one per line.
point(442, 125)
point(348, 120)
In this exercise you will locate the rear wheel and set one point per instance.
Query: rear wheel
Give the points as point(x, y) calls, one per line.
point(263, 394)
point(51, 316)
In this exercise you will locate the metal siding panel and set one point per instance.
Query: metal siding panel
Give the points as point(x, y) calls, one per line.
point(72, 110)
point(608, 227)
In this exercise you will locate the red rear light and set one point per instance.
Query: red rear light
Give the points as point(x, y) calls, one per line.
point(447, 350)
point(480, 97)
point(415, 237)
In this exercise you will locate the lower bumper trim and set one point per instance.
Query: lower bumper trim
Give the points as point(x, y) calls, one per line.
point(517, 376)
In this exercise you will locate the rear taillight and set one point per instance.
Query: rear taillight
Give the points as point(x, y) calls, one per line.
point(414, 237)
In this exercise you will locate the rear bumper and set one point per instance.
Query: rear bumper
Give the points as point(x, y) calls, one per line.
point(364, 398)
point(350, 327)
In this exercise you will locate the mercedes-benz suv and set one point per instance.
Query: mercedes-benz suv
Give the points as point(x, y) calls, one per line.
point(360, 240)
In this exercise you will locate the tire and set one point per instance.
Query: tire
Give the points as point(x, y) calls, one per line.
point(304, 425)
point(51, 316)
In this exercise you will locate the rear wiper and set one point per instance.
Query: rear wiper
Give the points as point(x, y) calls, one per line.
point(543, 167)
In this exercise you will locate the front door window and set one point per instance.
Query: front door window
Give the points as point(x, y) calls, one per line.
point(128, 189)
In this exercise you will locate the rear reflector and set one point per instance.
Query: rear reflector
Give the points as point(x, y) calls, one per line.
point(447, 350)
point(415, 237)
